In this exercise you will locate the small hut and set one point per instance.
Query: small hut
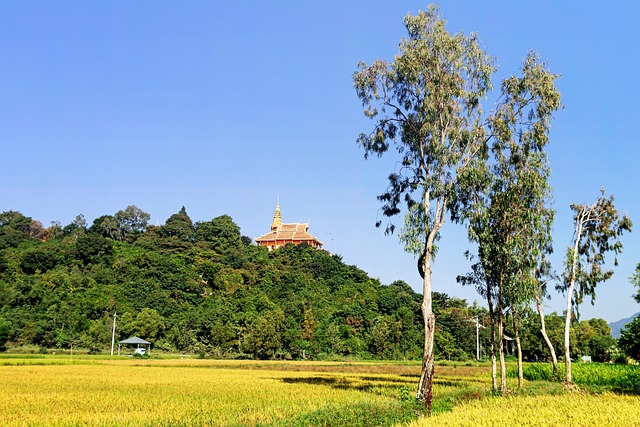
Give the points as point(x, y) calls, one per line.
point(137, 342)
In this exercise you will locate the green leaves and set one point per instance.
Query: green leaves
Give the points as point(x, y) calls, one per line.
point(629, 340)
point(635, 281)
point(425, 104)
point(598, 229)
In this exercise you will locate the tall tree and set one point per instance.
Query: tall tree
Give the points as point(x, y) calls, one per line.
point(597, 230)
point(179, 225)
point(132, 220)
point(510, 217)
point(427, 103)
point(77, 228)
point(107, 226)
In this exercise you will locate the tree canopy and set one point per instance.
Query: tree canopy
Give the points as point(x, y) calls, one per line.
point(207, 290)
point(427, 104)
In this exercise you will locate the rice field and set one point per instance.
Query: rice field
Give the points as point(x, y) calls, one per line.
point(188, 392)
point(567, 410)
point(620, 378)
point(46, 391)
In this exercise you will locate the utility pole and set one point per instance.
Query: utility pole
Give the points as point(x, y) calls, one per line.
point(477, 322)
point(113, 333)
point(477, 339)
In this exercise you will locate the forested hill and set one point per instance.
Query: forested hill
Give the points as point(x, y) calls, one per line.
point(204, 288)
point(201, 288)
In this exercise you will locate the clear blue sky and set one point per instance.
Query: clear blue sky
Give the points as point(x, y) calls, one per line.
point(224, 106)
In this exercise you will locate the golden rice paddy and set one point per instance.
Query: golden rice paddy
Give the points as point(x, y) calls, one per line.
point(189, 392)
point(177, 393)
point(566, 410)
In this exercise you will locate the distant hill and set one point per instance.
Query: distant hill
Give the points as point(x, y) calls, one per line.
point(616, 327)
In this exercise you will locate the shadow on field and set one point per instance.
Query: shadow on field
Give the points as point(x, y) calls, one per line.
point(373, 384)
point(357, 414)
point(370, 384)
point(446, 381)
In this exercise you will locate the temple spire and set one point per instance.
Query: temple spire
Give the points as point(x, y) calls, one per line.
point(281, 234)
point(277, 218)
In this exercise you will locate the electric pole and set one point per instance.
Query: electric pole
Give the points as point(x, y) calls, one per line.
point(477, 322)
point(113, 333)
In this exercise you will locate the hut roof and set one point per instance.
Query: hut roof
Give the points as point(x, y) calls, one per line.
point(134, 340)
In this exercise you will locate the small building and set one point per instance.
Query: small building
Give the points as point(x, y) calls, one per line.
point(137, 342)
point(509, 344)
point(283, 233)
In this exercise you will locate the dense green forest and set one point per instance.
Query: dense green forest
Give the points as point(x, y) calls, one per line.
point(203, 288)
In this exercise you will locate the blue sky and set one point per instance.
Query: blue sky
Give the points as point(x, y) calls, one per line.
point(224, 106)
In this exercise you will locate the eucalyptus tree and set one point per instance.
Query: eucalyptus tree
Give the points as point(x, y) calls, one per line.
point(427, 104)
point(520, 195)
point(543, 275)
point(518, 228)
point(510, 220)
point(597, 230)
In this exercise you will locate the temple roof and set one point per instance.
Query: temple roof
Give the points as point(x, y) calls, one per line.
point(292, 231)
point(295, 231)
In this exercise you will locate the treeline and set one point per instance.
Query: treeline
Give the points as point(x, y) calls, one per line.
point(203, 288)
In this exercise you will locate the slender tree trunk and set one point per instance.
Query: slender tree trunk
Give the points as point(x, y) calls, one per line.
point(494, 361)
point(426, 377)
point(503, 367)
point(543, 331)
point(567, 329)
point(519, 347)
point(425, 393)
point(572, 283)
point(494, 368)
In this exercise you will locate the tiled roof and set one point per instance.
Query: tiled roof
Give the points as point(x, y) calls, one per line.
point(291, 231)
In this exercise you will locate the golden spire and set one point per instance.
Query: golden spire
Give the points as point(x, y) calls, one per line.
point(277, 218)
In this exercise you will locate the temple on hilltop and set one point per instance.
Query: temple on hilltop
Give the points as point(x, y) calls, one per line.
point(282, 233)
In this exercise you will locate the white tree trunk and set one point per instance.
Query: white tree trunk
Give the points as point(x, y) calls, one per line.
point(572, 283)
point(567, 329)
point(519, 347)
point(494, 366)
point(503, 366)
point(426, 376)
point(543, 331)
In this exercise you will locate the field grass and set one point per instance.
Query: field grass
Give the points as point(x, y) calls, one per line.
point(567, 410)
point(54, 391)
point(596, 376)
